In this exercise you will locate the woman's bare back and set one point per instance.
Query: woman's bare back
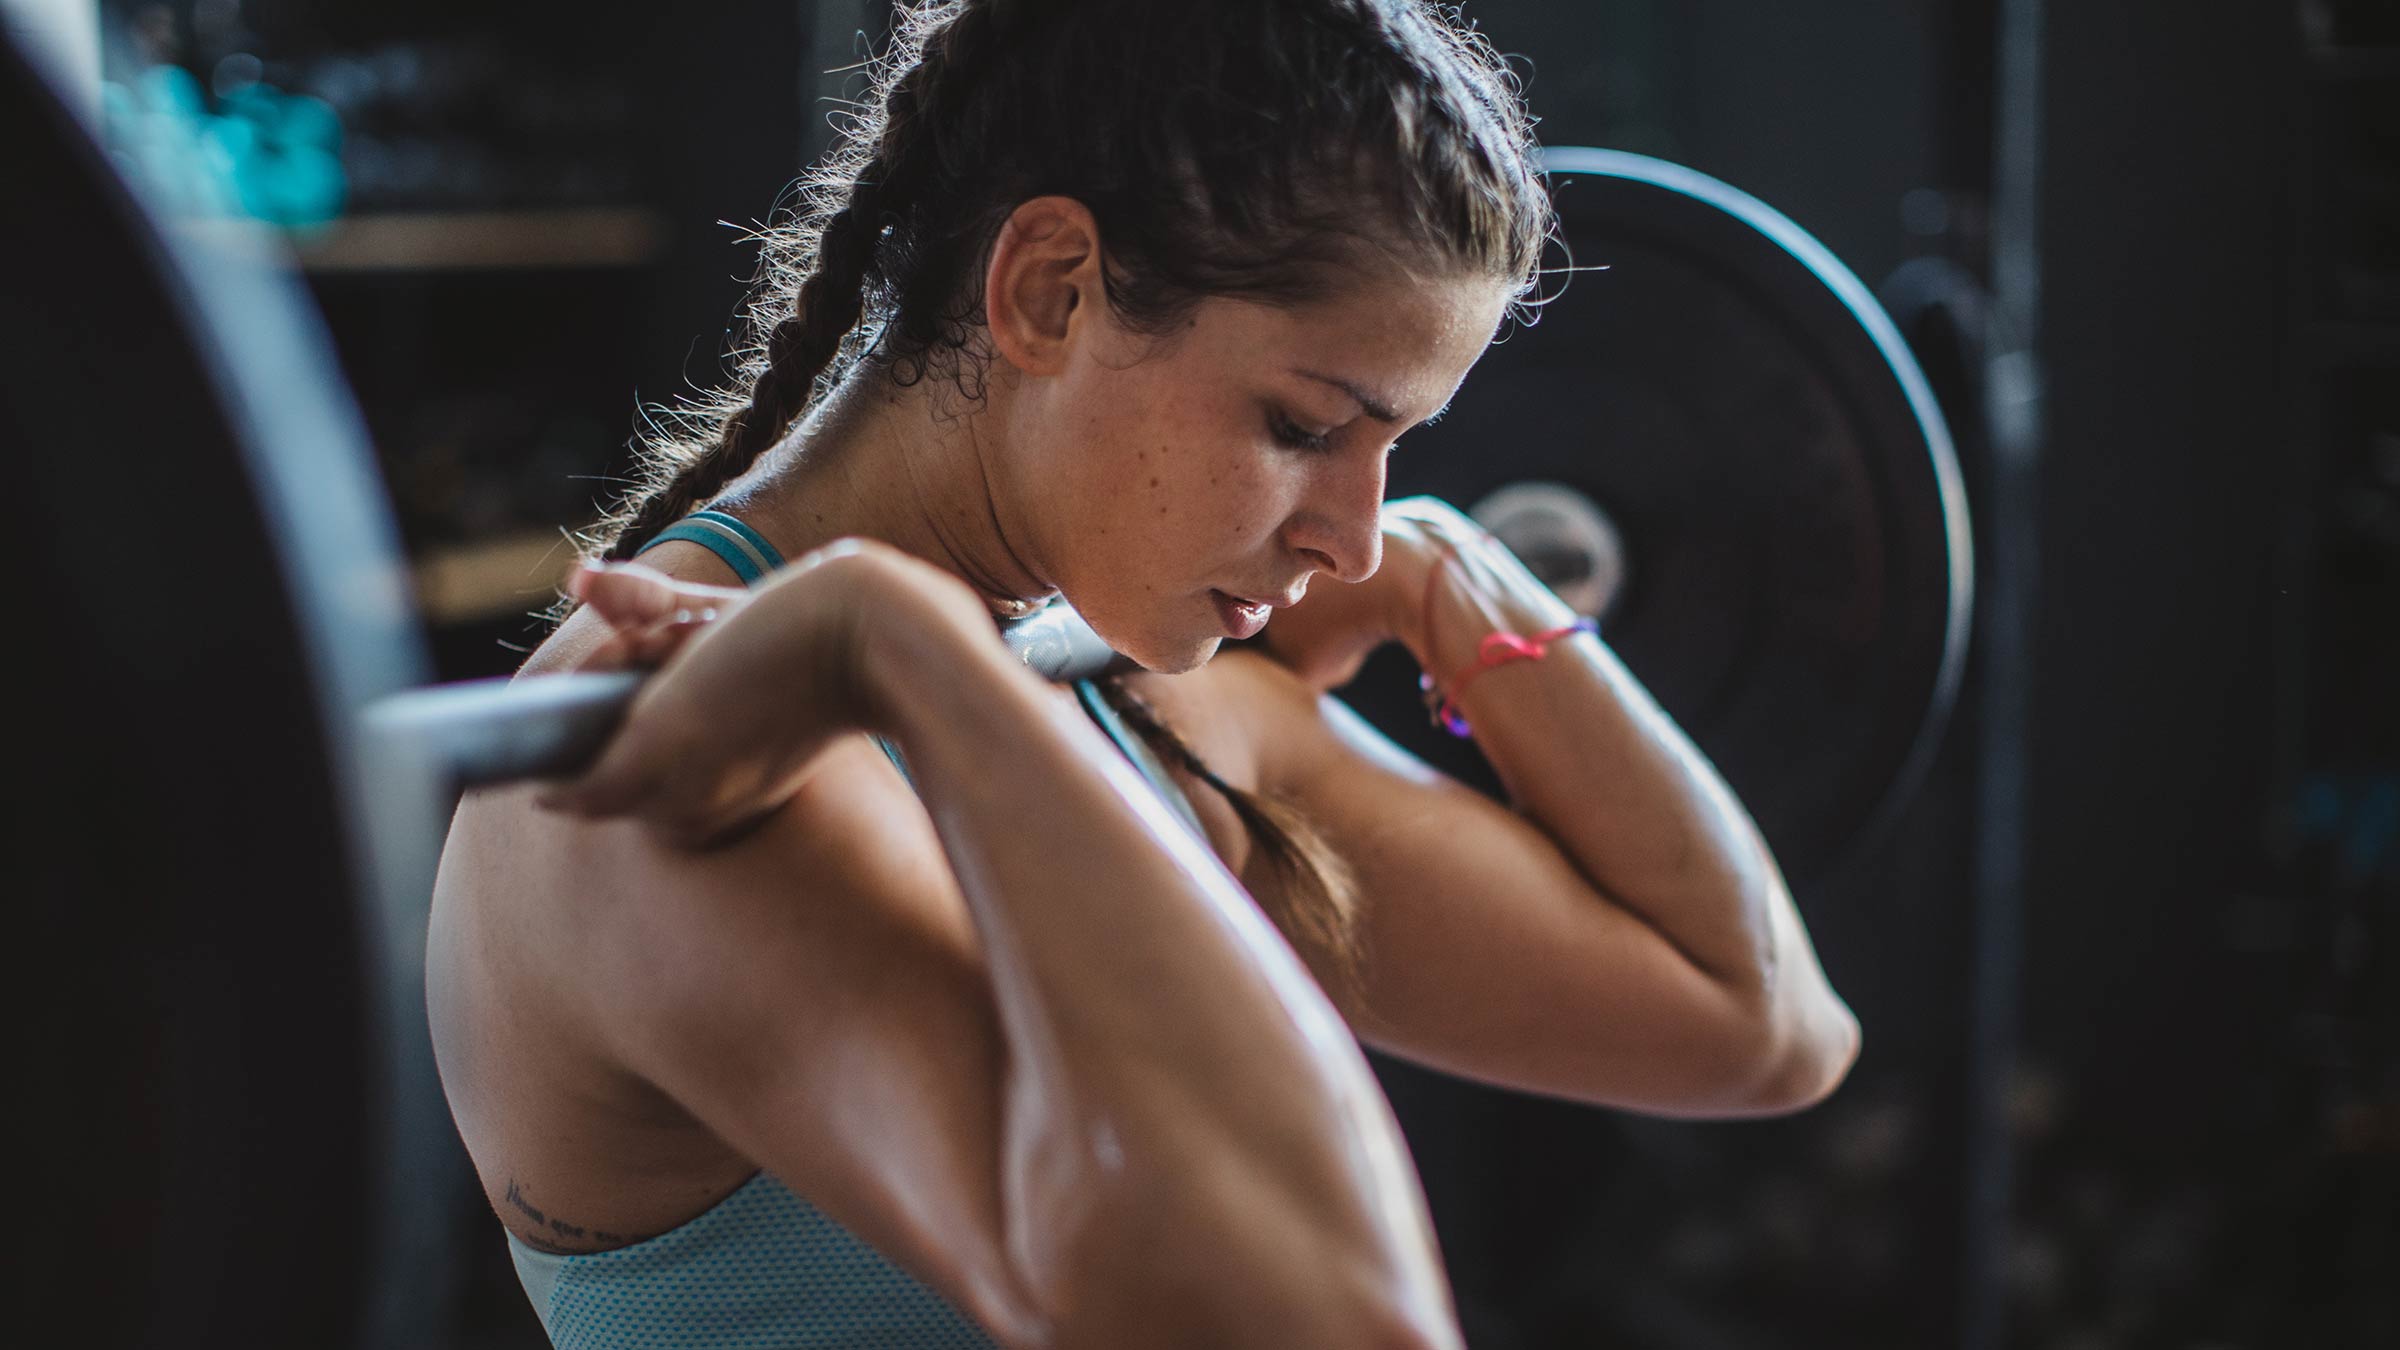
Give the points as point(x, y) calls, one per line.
point(576, 1151)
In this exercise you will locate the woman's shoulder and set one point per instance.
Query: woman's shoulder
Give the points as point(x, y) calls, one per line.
point(583, 976)
point(614, 892)
point(560, 907)
point(591, 947)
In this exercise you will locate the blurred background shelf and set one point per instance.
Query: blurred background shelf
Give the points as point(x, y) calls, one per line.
point(526, 227)
point(572, 237)
point(491, 578)
point(398, 242)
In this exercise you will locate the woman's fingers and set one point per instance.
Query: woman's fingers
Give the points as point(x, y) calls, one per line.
point(622, 593)
point(652, 614)
point(630, 594)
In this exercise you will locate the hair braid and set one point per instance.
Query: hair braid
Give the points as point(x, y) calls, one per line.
point(839, 240)
point(1316, 908)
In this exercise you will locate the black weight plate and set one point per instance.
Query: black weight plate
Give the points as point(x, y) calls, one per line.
point(1794, 527)
point(235, 1113)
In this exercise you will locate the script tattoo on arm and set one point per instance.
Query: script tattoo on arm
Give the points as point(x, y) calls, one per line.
point(549, 1233)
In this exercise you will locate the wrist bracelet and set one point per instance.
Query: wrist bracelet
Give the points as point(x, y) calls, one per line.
point(1494, 651)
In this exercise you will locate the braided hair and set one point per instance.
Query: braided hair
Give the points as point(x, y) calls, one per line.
point(1252, 148)
point(816, 276)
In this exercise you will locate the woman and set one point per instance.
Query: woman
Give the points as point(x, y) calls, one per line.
point(871, 991)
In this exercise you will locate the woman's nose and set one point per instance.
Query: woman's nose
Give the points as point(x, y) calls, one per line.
point(1340, 528)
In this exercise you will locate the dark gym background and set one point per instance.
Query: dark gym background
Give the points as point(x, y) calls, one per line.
point(2126, 971)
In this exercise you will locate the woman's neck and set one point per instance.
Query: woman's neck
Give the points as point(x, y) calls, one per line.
point(898, 465)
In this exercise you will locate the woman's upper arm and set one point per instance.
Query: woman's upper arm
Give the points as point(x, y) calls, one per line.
point(815, 996)
point(1485, 950)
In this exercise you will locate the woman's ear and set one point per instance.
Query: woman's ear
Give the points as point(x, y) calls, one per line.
point(1043, 283)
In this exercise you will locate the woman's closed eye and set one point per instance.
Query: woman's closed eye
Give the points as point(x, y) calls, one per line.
point(1290, 435)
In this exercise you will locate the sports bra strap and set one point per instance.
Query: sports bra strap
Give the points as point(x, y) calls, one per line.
point(744, 550)
point(1112, 725)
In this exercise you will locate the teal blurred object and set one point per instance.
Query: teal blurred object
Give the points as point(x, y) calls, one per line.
point(262, 152)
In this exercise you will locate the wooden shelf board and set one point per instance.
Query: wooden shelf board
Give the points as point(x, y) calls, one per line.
point(609, 236)
point(448, 241)
point(513, 573)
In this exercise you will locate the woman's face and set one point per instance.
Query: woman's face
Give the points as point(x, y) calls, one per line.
point(1171, 480)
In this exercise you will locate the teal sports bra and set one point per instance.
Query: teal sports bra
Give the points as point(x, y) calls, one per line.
point(764, 1269)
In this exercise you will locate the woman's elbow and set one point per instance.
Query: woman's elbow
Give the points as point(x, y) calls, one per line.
point(1806, 1063)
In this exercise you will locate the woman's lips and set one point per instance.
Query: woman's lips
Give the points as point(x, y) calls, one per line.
point(1241, 618)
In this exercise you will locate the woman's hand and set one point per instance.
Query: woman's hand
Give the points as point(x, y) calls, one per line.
point(732, 723)
point(650, 615)
point(1327, 636)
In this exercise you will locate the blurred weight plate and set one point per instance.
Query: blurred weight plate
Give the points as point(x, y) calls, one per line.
point(220, 890)
point(1726, 420)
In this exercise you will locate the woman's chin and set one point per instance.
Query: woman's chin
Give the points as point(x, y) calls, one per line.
point(1152, 636)
point(1170, 656)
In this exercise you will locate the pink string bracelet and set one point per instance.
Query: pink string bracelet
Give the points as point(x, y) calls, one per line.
point(1496, 650)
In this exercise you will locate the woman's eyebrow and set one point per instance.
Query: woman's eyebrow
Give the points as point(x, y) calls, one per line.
point(1376, 408)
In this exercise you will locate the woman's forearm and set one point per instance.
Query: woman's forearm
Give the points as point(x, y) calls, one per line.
point(1169, 1055)
point(1591, 758)
point(1587, 754)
